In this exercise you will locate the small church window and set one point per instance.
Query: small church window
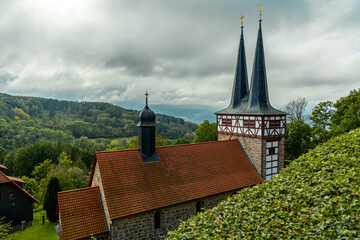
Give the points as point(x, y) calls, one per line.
point(157, 220)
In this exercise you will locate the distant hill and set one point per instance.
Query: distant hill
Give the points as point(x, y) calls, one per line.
point(90, 119)
point(315, 197)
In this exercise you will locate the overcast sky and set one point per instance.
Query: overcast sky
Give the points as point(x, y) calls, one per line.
point(183, 52)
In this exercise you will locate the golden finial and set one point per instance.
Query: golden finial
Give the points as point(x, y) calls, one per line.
point(242, 20)
point(260, 8)
point(146, 94)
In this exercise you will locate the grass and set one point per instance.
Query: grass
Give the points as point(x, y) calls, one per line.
point(38, 231)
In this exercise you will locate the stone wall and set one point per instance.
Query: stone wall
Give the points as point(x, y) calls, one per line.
point(142, 226)
point(281, 153)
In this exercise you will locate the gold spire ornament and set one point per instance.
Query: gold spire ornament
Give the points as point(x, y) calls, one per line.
point(146, 95)
point(260, 8)
point(242, 20)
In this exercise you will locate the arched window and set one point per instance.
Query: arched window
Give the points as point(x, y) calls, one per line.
point(157, 222)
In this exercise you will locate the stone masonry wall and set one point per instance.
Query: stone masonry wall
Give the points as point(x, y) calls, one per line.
point(254, 148)
point(142, 226)
point(281, 153)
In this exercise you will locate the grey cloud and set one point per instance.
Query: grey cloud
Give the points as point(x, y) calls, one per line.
point(183, 51)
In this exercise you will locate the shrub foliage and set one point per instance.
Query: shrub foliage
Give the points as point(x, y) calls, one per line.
point(316, 197)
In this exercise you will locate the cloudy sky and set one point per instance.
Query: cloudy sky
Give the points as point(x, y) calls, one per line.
point(183, 52)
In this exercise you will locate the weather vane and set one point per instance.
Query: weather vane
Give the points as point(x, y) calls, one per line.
point(242, 20)
point(260, 8)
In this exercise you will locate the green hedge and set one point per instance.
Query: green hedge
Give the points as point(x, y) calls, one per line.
point(316, 197)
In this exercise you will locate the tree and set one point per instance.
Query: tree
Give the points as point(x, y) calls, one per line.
point(298, 139)
point(321, 117)
point(69, 176)
point(347, 114)
point(206, 132)
point(296, 108)
point(189, 136)
point(180, 141)
point(51, 199)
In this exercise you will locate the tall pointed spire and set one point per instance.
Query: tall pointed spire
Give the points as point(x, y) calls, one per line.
point(258, 98)
point(240, 87)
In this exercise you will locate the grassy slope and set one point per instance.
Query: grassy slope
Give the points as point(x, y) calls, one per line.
point(316, 197)
point(38, 231)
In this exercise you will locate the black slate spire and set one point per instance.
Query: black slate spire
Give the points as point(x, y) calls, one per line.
point(259, 91)
point(258, 102)
point(240, 87)
point(240, 90)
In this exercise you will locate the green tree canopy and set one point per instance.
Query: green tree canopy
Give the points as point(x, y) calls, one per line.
point(298, 139)
point(347, 114)
point(321, 117)
point(206, 132)
point(180, 141)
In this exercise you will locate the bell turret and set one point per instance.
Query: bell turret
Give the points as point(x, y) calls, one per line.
point(146, 126)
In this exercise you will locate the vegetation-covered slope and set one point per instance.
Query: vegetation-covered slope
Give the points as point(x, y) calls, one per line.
point(316, 197)
point(90, 119)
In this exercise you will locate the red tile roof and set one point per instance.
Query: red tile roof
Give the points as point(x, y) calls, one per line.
point(184, 173)
point(81, 213)
point(5, 179)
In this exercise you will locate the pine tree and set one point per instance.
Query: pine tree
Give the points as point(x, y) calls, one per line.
point(51, 198)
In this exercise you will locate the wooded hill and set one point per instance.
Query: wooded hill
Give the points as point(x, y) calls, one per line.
point(315, 197)
point(40, 116)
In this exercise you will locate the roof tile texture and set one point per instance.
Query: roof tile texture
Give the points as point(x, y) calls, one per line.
point(81, 213)
point(184, 173)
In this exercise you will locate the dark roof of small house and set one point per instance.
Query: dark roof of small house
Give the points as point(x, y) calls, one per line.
point(2, 167)
point(82, 213)
point(17, 180)
point(183, 173)
point(13, 181)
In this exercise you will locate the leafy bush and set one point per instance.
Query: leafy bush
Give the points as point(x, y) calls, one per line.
point(316, 197)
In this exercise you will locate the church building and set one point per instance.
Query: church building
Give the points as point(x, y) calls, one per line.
point(143, 193)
